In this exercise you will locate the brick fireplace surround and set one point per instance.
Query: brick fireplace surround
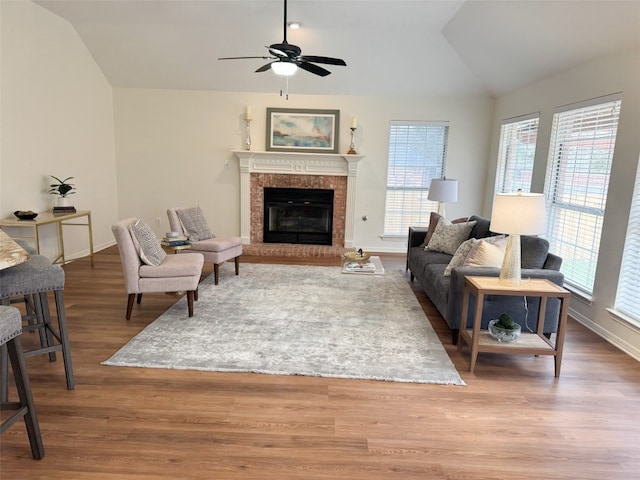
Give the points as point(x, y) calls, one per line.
point(296, 170)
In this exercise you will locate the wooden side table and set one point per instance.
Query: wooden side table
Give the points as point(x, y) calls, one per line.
point(59, 220)
point(529, 343)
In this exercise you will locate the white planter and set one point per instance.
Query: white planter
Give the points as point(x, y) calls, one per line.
point(63, 201)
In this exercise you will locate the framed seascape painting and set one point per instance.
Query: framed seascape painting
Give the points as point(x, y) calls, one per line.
point(302, 130)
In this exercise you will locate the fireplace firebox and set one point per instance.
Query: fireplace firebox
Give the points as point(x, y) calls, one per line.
point(298, 215)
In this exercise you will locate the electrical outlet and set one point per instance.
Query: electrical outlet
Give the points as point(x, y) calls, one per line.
point(158, 221)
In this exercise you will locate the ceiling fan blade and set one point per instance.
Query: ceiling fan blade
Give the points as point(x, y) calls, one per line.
point(277, 53)
point(264, 67)
point(242, 58)
point(310, 67)
point(325, 60)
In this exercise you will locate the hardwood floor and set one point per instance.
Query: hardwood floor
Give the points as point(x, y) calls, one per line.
point(513, 419)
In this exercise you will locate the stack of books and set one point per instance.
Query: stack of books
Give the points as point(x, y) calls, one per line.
point(64, 210)
point(368, 267)
point(175, 241)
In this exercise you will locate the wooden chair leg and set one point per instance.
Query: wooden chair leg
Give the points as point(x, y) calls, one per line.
point(139, 299)
point(132, 297)
point(190, 296)
point(195, 294)
point(216, 272)
point(26, 407)
point(237, 262)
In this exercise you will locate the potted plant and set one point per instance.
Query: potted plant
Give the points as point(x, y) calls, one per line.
point(504, 329)
point(62, 189)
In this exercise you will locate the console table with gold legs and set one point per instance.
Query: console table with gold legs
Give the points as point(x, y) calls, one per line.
point(535, 343)
point(59, 220)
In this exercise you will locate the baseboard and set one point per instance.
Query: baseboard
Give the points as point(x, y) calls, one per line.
point(614, 340)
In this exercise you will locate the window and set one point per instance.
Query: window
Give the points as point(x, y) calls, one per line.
point(577, 181)
point(516, 153)
point(629, 283)
point(417, 153)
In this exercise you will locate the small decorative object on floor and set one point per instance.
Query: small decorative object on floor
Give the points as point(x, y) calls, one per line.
point(25, 214)
point(504, 329)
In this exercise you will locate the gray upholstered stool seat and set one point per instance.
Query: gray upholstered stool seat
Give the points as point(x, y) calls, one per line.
point(34, 279)
point(10, 332)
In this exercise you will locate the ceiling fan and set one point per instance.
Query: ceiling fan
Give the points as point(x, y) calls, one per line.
point(288, 57)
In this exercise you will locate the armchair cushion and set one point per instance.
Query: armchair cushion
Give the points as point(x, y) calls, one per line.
point(147, 244)
point(194, 224)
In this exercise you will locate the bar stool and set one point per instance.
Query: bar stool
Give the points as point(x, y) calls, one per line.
point(33, 280)
point(10, 332)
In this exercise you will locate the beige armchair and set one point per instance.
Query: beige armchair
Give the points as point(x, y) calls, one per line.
point(216, 249)
point(172, 273)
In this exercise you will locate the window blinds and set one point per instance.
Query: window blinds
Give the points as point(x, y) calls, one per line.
point(516, 153)
point(417, 152)
point(577, 181)
point(629, 283)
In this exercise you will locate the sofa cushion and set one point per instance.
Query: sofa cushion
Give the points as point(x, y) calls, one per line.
point(448, 236)
point(484, 254)
point(460, 255)
point(534, 251)
point(481, 228)
point(194, 224)
point(434, 218)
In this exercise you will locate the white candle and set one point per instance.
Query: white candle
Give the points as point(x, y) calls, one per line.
point(247, 113)
point(354, 122)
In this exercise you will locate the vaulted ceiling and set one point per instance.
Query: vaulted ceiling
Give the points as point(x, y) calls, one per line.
point(414, 47)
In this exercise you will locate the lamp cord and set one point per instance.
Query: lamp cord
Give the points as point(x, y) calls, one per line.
point(526, 314)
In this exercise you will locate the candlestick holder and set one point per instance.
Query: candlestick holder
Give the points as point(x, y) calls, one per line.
point(352, 147)
point(247, 143)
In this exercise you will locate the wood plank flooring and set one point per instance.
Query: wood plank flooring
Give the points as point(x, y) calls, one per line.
point(512, 420)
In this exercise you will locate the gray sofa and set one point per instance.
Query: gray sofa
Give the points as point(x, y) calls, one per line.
point(427, 268)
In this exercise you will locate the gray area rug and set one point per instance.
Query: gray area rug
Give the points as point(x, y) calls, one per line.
point(297, 320)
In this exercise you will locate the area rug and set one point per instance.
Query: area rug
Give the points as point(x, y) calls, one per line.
point(297, 320)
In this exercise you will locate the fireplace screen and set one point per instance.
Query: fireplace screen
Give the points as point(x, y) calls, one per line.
point(298, 215)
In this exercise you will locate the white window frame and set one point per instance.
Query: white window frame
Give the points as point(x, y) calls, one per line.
point(577, 180)
point(516, 153)
point(407, 187)
point(626, 305)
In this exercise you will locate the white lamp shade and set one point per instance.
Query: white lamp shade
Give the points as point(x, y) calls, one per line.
point(443, 190)
point(519, 214)
point(284, 68)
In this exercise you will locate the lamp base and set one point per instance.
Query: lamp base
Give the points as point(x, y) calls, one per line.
point(510, 273)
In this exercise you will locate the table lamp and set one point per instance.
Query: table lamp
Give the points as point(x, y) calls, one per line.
point(517, 214)
point(443, 190)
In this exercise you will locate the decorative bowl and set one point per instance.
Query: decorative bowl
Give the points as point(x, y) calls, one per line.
point(25, 214)
point(502, 334)
point(172, 234)
point(360, 257)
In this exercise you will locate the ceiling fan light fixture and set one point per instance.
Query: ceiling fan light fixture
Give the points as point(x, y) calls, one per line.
point(284, 68)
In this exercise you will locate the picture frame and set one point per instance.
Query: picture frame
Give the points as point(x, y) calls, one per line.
point(302, 130)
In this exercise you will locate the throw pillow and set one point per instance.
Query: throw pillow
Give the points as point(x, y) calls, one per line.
point(434, 218)
point(194, 224)
point(485, 254)
point(447, 236)
point(147, 244)
point(460, 255)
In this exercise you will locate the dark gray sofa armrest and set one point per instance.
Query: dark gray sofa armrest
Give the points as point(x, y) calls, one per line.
point(456, 290)
point(415, 239)
point(553, 262)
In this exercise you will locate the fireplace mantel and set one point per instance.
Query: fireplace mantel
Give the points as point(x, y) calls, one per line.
point(295, 163)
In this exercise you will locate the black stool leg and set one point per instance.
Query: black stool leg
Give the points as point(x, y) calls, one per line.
point(4, 374)
point(26, 407)
point(64, 338)
point(41, 305)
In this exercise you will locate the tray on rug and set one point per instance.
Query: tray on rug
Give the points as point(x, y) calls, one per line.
point(297, 320)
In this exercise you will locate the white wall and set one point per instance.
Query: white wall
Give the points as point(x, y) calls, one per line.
point(614, 73)
point(173, 148)
point(57, 119)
